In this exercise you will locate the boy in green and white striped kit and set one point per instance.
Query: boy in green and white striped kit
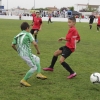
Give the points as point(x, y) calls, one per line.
point(21, 43)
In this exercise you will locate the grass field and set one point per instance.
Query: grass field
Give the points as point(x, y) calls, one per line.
point(85, 60)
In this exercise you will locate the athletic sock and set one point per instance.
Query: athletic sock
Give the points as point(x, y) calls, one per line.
point(54, 59)
point(90, 26)
point(67, 67)
point(29, 74)
point(35, 37)
point(97, 28)
point(38, 68)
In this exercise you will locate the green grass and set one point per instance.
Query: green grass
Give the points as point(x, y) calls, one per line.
point(85, 60)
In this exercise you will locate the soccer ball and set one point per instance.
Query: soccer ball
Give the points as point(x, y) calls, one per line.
point(95, 78)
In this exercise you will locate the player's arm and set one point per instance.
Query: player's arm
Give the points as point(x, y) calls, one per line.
point(40, 24)
point(62, 38)
point(34, 43)
point(14, 47)
point(40, 27)
point(67, 38)
point(36, 47)
point(78, 38)
point(77, 41)
point(14, 44)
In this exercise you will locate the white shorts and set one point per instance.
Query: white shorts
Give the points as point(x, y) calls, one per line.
point(31, 61)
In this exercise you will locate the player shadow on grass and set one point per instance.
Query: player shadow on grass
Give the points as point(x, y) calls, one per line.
point(94, 89)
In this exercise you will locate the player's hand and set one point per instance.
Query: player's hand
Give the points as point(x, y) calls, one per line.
point(40, 29)
point(60, 39)
point(38, 52)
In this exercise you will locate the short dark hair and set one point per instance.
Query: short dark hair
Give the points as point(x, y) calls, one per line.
point(24, 26)
point(72, 18)
point(37, 12)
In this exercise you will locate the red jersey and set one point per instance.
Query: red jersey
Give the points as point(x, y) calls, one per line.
point(37, 23)
point(72, 37)
point(49, 16)
point(98, 20)
point(33, 15)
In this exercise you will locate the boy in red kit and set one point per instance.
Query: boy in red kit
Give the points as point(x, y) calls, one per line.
point(72, 38)
point(49, 18)
point(98, 23)
point(36, 26)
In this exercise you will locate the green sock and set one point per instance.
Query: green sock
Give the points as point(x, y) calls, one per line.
point(38, 67)
point(29, 74)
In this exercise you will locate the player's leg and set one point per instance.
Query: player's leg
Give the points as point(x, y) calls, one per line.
point(98, 28)
point(37, 63)
point(90, 25)
point(33, 68)
point(35, 35)
point(32, 31)
point(54, 59)
point(65, 53)
point(50, 20)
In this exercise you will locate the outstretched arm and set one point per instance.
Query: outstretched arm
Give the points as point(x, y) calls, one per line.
point(62, 38)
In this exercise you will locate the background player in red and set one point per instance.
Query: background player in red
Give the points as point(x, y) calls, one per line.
point(33, 15)
point(20, 16)
point(72, 38)
point(98, 23)
point(36, 26)
point(49, 18)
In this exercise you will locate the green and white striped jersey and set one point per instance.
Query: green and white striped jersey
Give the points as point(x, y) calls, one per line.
point(22, 42)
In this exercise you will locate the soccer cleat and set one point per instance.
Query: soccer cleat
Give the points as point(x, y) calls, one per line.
point(40, 76)
point(71, 75)
point(48, 69)
point(24, 83)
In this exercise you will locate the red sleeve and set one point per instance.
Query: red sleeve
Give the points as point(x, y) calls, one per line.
point(78, 37)
point(40, 21)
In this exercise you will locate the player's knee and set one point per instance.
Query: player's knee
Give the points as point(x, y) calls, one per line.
point(35, 31)
point(61, 61)
point(37, 59)
point(55, 53)
point(34, 68)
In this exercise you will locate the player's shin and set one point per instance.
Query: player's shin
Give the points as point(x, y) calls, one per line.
point(67, 67)
point(54, 59)
point(90, 26)
point(29, 73)
point(38, 68)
